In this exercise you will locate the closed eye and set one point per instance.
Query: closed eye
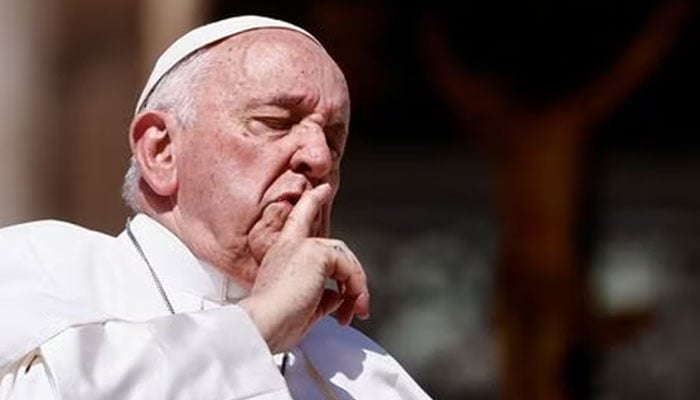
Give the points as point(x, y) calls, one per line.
point(270, 126)
point(277, 123)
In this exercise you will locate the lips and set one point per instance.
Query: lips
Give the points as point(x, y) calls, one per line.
point(289, 197)
point(284, 203)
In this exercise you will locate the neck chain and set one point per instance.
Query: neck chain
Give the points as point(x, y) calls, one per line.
point(156, 280)
point(161, 290)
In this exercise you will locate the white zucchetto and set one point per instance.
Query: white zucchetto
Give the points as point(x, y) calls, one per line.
point(204, 36)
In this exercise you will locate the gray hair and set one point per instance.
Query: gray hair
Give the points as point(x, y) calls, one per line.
point(174, 93)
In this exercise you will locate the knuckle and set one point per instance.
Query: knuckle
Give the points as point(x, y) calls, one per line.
point(316, 242)
point(305, 245)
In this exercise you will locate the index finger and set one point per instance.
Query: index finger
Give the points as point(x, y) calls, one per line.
point(301, 218)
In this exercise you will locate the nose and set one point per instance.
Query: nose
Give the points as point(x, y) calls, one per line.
point(313, 156)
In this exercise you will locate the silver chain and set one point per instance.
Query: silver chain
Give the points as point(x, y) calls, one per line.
point(156, 280)
point(159, 285)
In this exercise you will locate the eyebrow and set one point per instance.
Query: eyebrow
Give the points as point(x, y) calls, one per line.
point(282, 100)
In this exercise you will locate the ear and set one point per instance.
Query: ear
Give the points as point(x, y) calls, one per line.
point(151, 140)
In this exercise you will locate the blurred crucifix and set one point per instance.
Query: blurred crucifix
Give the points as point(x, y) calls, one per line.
point(539, 164)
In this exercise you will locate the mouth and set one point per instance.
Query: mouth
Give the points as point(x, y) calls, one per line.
point(289, 197)
point(277, 210)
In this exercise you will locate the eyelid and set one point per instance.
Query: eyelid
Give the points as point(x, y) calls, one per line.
point(277, 122)
point(269, 126)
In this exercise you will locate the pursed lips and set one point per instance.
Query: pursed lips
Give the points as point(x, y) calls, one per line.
point(285, 201)
point(289, 197)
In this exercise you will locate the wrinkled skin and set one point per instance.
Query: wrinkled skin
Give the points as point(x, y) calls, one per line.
point(271, 120)
point(250, 184)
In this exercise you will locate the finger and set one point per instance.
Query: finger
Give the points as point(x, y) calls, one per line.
point(345, 312)
point(350, 308)
point(342, 247)
point(330, 301)
point(301, 218)
point(352, 281)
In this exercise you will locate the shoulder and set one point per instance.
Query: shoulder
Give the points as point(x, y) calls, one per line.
point(47, 270)
point(49, 244)
point(48, 234)
point(48, 227)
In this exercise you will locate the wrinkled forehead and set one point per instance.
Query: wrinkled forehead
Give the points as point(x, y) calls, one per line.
point(277, 62)
point(264, 53)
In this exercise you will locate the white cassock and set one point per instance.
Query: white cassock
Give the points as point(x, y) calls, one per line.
point(81, 317)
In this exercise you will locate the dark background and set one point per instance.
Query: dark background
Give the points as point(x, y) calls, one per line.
point(417, 200)
point(542, 49)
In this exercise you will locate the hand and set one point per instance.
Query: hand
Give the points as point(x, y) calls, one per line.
point(289, 294)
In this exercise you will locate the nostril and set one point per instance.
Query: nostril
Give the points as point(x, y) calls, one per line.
point(300, 167)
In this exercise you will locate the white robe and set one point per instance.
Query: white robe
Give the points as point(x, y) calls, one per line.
point(82, 318)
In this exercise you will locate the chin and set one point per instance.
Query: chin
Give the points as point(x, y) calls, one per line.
point(241, 267)
point(244, 272)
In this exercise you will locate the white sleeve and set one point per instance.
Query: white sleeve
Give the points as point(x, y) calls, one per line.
point(214, 354)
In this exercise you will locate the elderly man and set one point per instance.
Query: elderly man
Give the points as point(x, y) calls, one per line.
point(220, 287)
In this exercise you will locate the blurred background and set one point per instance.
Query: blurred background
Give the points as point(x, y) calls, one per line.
point(520, 180)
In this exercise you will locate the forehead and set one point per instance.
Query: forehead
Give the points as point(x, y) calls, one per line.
point(269, 63)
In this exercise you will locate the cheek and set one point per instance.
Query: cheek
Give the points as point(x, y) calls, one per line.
point(217, 176)
point(265, 231)
point(216, 160)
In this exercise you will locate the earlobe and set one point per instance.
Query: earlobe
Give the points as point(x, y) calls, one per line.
point(151, 143)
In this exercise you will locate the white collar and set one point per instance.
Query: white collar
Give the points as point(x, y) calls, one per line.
point(188, 282)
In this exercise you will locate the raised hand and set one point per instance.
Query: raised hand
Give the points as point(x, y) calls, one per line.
point(290, 292)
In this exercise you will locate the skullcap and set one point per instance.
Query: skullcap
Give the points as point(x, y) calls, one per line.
point(203, 36)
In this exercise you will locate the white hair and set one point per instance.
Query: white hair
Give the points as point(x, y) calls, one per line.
point(174, 94)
